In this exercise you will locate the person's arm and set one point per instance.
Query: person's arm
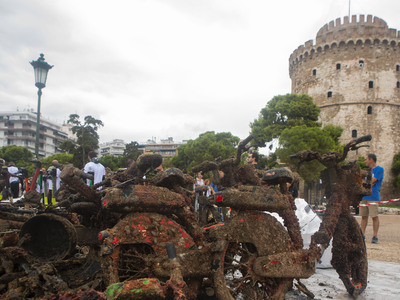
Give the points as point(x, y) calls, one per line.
point(212, 190)
point(378, 175)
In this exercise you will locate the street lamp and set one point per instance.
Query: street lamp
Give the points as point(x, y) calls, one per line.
point(41, 68)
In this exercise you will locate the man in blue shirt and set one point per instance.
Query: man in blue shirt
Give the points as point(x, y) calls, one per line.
point(372, 210)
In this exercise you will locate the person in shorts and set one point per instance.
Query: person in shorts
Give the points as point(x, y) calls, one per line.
point(372, 210)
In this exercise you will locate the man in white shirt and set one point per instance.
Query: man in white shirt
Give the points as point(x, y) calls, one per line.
point(95, 168)
point(14, 180)
point(53, 177)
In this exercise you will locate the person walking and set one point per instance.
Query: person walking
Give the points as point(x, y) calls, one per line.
point(372, 210)
point(95, 168)
point(14, 180)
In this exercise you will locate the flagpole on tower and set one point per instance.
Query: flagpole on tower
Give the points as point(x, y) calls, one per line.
point(349, 8)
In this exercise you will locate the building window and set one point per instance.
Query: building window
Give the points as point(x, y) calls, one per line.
point(369, 110)
point(338, 66)
point(361, 63)
point(354, 133)
point(371, 84)
point(398, 84)
point(314, 72)
point(398, 68)
point(329, 94)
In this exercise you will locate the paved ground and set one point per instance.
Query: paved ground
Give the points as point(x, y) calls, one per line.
point(388, 248)
point(383, 265)
point(383, 283)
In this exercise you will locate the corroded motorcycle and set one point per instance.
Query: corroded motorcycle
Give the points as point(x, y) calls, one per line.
point(139, 237)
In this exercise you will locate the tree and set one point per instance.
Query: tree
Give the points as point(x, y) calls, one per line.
point(16, 154)
point(283, 112)
point(361, 161)
point(167, 162)
point(298, 138)
point(21, 156)
point(293, 120)
point(111, 161)
point(87, 137)
point(396, 170)
point(68, 146)
point(62, 158)
point(208, 146)
point(268, 162)
point(131, 152)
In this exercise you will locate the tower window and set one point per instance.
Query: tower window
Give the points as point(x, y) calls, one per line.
point(398, 68)
point(329, 94)
point(371, 84)
point(314, 72)
point(354, 133)
point(398, 84)
point(338, 66)
point(361, 63)
point(369, 110)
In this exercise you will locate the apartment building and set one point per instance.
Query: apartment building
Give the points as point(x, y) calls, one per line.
point(19, 128)
point(166, 148)
point(116, 147)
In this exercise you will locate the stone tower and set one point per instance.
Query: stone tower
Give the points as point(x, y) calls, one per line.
point(353, 73)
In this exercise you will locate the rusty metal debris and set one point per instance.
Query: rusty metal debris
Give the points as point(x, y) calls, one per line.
point(115, 243)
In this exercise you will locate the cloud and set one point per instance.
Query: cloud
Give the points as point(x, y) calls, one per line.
point(160, 68)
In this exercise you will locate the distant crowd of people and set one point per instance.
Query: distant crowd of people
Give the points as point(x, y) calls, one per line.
point(48, 181)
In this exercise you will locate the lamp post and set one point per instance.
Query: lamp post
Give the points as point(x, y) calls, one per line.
point(40, 68)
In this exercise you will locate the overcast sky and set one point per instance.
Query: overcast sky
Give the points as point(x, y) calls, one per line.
point(161, 67)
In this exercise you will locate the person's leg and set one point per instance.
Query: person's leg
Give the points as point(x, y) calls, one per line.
point(375, 225)
point(373, 212)
point(14, 189)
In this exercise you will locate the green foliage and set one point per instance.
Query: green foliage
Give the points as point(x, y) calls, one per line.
point(87, 138)
point(21, 156)
point(396, 170)
point(268, 162)
point(293, 119)
point(208, 146)
point(167, 163)
point(62, 158)
point(283, 112)
point(131, 152)
point(18, 155)
point(68, 146)
point(361, 163)
point(111, 161)
point(298, 138)
point(181, 160)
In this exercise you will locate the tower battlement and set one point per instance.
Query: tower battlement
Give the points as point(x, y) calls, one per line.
point(358, 31)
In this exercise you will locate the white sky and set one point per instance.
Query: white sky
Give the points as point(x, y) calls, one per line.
point(161, 67)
